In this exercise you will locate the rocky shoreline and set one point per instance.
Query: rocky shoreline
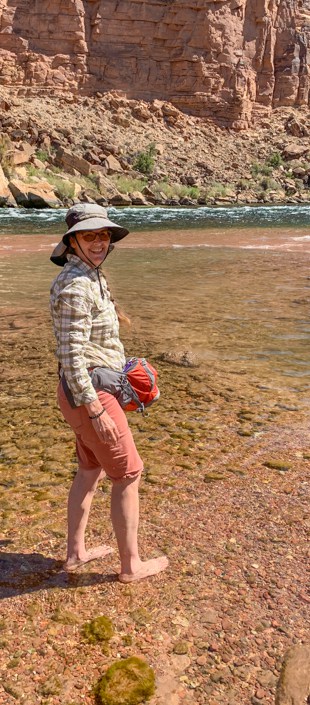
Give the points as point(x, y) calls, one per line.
point(63, 149)
point(228, 623)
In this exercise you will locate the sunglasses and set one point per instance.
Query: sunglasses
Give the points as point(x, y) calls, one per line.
point(103, 235)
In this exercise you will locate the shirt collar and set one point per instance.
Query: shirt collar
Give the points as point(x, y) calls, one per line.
point(83, 266)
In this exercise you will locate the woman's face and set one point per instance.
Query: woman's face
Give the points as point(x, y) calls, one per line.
point(91, 245)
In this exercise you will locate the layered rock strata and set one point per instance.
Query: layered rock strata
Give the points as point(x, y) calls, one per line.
point(227, 59)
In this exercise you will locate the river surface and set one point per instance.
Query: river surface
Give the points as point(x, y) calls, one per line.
point(231, 285)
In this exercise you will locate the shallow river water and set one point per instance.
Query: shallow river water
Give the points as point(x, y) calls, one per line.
point(233, 295)
point(226, 448)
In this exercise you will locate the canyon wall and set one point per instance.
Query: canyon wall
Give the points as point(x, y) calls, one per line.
point(229, 60)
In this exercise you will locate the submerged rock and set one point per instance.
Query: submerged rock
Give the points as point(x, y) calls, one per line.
point(99, 629)
point(127, 682)
point(183, 358)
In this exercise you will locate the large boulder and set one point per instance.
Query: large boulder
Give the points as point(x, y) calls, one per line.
point(112, 164)
point(294, 682)
point(138, 199)
point(294, 151)
point(120, 199)
point(106, 187)
point(34, 195)
point(6, 197)
point(71, 163)
point(23, 154)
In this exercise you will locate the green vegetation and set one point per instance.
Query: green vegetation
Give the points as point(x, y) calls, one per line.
point(181, 648)
point(51, 687)
point(126, 185)
point(63, 189)
point(145, 161)
point(127, 682)
point(141, 616)
point(32, 170)
point(269, 184)
point(99, 629)
point(43, 155)
point(274, 160)
point(264, 169)
point(216, 190)
point(175, 190)
point(244, 184)
point(65, 617)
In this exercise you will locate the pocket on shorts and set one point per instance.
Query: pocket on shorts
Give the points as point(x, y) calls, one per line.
point(74, 417)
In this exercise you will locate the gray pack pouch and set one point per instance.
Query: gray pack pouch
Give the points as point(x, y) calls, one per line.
point(113, 382)
point(110, 381)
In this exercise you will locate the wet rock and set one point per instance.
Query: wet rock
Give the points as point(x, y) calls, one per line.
point(99, 630)
point(183, 358)
point(210, 616)
point(181, 648)
point(280, 465)
point(213, 476)
point(130, 680)
point(267, 679)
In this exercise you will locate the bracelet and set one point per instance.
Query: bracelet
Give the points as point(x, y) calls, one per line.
point(97, 415)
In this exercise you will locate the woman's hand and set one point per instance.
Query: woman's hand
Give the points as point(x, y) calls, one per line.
point(106, 429)
point(104, 425)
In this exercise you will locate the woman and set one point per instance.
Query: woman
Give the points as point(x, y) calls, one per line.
point(86, 327)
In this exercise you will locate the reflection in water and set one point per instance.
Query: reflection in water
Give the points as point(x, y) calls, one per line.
point(246, 308)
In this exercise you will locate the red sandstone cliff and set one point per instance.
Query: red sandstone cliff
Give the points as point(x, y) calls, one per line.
point(227, 59)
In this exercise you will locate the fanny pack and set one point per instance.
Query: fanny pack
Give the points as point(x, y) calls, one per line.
point(135, 388)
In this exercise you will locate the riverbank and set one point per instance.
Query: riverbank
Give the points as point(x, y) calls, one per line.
point(61, 149)
point(224, 494)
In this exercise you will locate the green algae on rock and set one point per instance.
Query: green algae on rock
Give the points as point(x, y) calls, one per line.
point(277, 465)
point(127, 682)
point(213, 476)
point(65, 617)
point(181, 648)
point(100, 629)
point(141, 616)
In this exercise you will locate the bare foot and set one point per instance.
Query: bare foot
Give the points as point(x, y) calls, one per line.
point(93, 554)
point(148, 568)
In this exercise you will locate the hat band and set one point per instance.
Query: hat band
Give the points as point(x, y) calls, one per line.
point(86, 216)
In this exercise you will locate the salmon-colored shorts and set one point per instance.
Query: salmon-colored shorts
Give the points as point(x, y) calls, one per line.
point(120, 460)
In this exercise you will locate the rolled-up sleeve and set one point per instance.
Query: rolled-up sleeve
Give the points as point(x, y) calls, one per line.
point(75, 321)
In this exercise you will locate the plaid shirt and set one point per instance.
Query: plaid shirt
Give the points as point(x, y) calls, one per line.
point(85, 325)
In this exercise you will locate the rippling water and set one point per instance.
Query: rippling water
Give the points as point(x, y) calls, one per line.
point(21, 220)
point(225, 283)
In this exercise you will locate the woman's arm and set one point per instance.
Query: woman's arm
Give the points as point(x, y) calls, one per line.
point(75, 321)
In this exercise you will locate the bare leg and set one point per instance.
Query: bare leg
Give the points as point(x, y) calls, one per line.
point(125, 520)
point(79, 502)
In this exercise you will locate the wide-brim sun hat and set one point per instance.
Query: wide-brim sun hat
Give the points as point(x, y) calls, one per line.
point(85, 216)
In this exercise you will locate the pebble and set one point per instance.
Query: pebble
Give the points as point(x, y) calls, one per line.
point(210, 616)
point(260, 693)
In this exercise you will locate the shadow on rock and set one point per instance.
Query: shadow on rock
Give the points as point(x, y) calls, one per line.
point(22, 573)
